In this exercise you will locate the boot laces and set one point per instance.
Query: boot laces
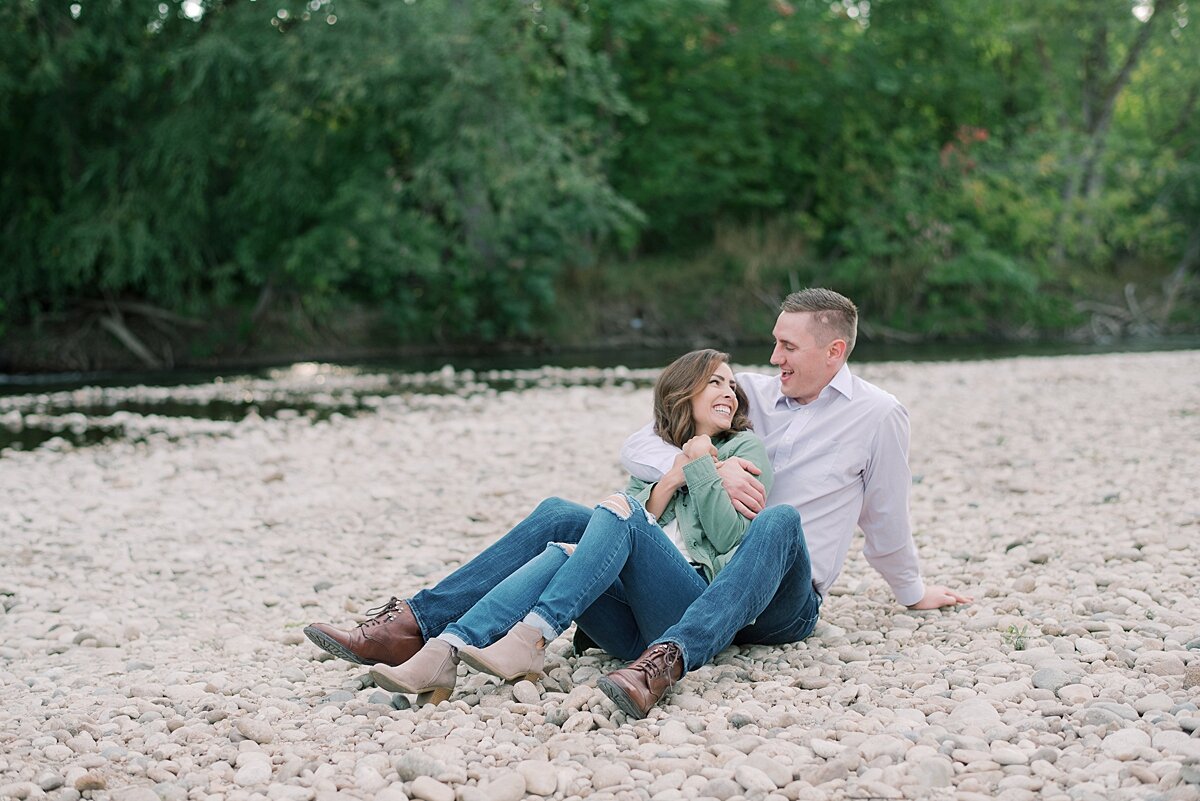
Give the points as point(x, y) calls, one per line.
point(658, 660)
point(381, 614)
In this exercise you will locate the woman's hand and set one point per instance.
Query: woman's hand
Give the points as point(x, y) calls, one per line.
point(698, 446)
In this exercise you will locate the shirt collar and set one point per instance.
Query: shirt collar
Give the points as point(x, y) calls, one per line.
point(842, 383)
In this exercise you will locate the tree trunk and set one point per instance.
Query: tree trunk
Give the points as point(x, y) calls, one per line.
point(1099, 102)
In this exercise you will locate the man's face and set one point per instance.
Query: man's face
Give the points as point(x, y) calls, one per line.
point(806, 364)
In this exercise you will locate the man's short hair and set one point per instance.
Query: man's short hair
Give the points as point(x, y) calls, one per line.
point(834, 315)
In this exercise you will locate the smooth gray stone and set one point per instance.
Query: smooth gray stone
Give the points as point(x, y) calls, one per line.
point(169, 791)
point(1120, 710)
point(1098, 717)
point(50, 781)
point(338, 697)
point(1050, 679)
point(411, 764)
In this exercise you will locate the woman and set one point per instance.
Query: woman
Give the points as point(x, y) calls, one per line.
point(660, 543)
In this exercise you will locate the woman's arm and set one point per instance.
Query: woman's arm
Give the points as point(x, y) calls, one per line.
point(665, 488)
point(723, 525)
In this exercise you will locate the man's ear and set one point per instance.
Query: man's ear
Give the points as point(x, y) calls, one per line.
point(837, 349)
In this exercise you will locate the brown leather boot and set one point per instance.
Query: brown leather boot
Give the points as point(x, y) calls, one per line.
point(390, 637)
point(635, 689)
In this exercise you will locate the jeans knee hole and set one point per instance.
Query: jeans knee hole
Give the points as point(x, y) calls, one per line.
point(619, 505)
point(566, 547)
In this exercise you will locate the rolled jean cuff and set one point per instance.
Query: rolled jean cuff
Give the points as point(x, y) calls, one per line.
point(683, 655)
point(416, 613)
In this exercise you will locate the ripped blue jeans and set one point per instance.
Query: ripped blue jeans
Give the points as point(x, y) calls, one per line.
point(625, 582)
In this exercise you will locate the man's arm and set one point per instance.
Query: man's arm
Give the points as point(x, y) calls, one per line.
point(646, 455)
point(884, 519)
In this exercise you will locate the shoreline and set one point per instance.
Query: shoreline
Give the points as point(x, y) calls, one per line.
point(154, 591)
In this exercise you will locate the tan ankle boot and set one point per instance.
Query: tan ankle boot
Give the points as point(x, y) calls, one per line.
point(430, 673)
point(520, 654)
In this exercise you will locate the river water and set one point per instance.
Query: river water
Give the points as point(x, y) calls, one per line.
point(77, 410)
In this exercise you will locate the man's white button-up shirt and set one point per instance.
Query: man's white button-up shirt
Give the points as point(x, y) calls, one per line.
point(841, 460)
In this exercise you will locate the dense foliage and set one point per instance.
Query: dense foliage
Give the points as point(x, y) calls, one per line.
point(958, 168)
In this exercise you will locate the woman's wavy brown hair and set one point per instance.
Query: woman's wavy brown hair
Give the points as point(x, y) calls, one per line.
point(678, 383)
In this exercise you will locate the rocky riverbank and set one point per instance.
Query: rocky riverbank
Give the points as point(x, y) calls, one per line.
point(153, 589)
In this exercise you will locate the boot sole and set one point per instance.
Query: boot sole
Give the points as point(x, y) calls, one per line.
point(618, 697)
point(329, 645)
point(427, 695)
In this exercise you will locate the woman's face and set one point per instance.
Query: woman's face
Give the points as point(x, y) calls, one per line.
point(714, 405)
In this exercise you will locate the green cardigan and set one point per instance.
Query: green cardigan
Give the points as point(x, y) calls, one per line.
point(711, 528)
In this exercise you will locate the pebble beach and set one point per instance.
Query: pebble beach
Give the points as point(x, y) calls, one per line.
point(153, 589)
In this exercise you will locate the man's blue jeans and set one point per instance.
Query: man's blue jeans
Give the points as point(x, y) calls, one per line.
point(625, 582)
point(554, 520)
point(768, 581)
point(765, 595)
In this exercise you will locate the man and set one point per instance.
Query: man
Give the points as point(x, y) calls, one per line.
point(839, 447)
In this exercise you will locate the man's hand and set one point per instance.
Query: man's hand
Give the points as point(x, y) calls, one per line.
point(936, 597)
point(746, 491)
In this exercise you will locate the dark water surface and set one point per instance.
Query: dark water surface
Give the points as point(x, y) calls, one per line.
point(81, 409)
point(745, 353)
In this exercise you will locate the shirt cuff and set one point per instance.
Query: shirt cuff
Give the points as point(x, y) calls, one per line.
point(910, 593)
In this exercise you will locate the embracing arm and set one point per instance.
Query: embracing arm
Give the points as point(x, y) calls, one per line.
point(646, 455)
point(724, 526)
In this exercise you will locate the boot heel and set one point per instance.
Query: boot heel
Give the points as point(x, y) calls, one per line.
point(434, 697)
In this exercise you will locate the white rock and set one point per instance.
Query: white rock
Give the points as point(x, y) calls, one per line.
point(885, 745)
point(134, 793)
point(1154, 702)
point(974, 712)
point(579, 722)
point(674, 732)
point(257, 730)
point(753, 779)
point(254, 772)
point(1177, 743)
point(826, 749)
point(368, 779)
point(1004, 754)
point(934, 771)
point(527, 693)
point(777, 768)
point(540, 777)
point(1125, 744)
point(1075, 693)
point(507, 786)
point(610, 775)
point(430, 789)
point(393, 792)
